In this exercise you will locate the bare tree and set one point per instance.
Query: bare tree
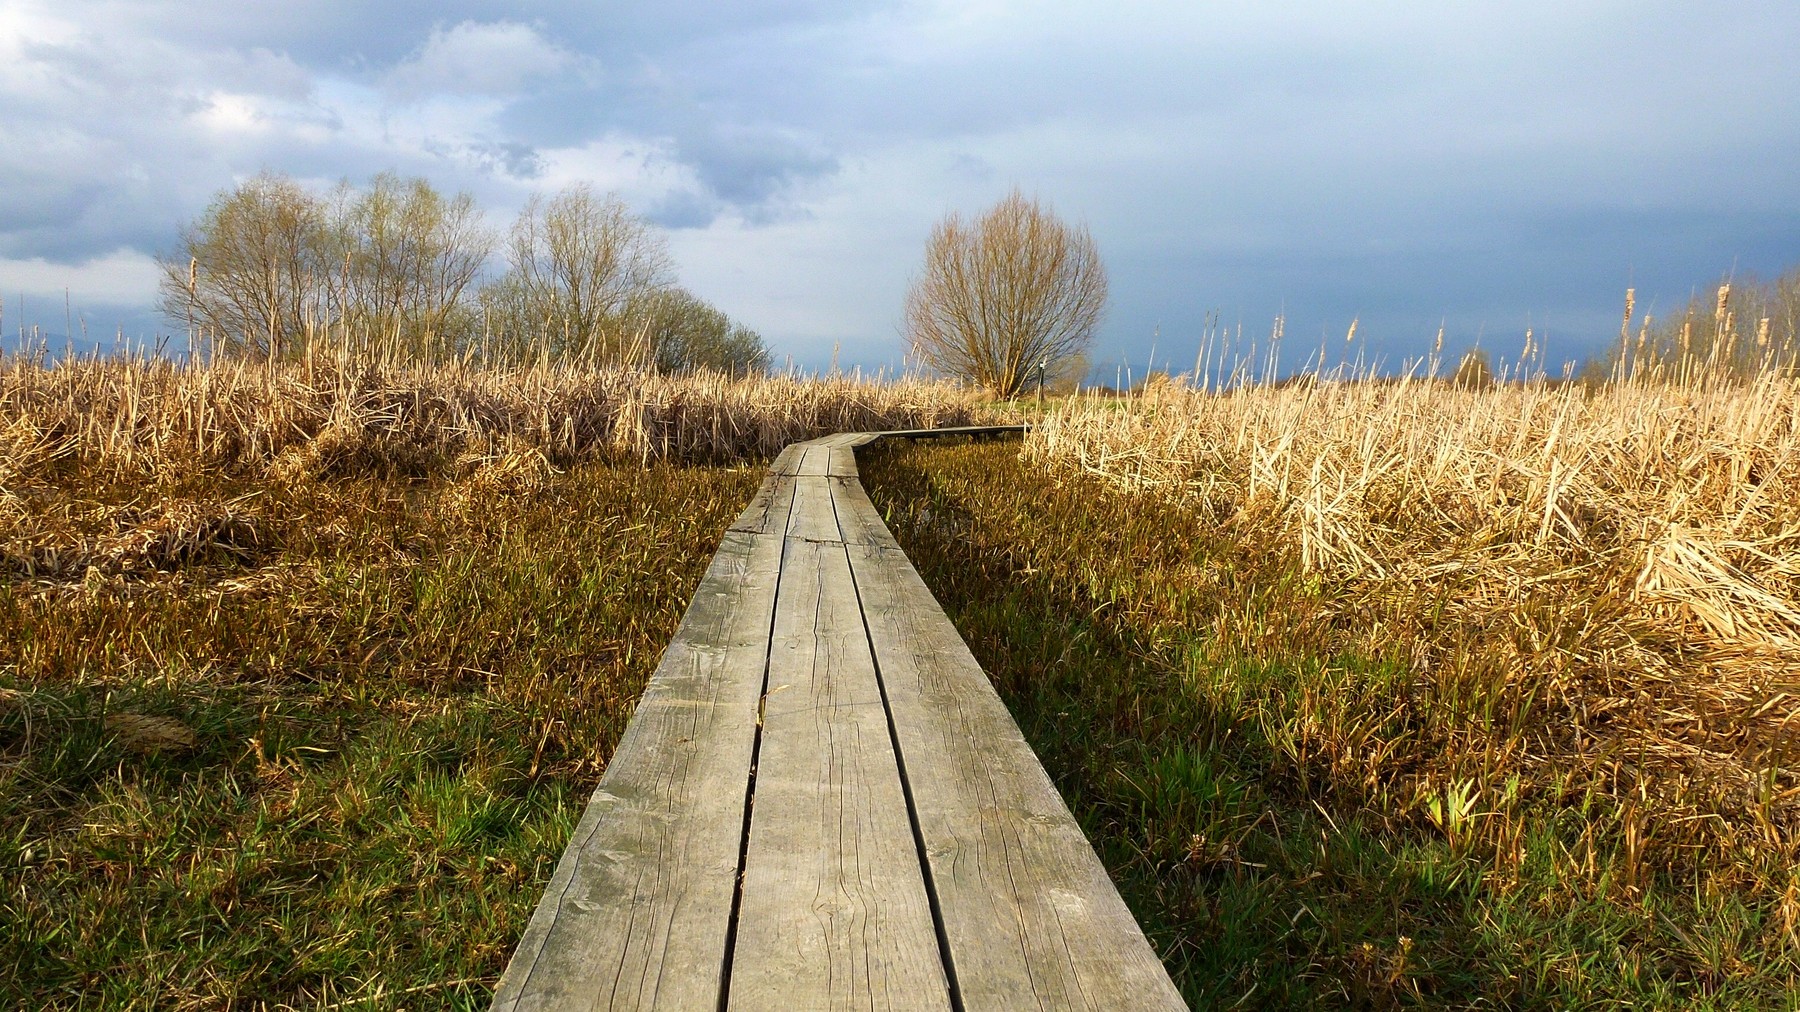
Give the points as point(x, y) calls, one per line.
point(1003, 295)
point(405, 257)
point(271, 265)
point(1741, 327)
point(247, 272)
point(687, 333)
point(387, 270)
point(580, 263)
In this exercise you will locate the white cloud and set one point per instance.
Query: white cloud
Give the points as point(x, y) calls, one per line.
point(836, 274)
point(643, 171)
point(472, 58)
point(801, 153)
point(122, 276)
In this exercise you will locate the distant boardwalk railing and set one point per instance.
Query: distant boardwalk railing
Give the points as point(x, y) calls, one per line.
point(821, 803)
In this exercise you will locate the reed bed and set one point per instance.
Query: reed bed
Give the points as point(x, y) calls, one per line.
point(1596, 592)
point(317, 743)
point(1385, 692)
point(145, 414)
point(293, 653)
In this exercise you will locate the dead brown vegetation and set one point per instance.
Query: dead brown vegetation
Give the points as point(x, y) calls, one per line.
point(325, 419)
point(1597, 591)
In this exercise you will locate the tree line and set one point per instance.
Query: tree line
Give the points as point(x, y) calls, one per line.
point(398, 270)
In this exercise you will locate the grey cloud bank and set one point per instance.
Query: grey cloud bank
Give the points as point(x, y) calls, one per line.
point(1492, 166)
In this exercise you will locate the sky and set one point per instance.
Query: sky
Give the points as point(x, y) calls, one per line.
point(1484, 167)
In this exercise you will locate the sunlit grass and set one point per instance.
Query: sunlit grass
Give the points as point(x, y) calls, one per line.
point(307, 669)
point(1296, 810)
point(299, 743)
point(331, 418)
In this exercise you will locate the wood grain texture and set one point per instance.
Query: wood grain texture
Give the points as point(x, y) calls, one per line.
point(637, 912)
point(858, 522)
point(769, 507)
point(814, 516)
point(834, 912)
point(1030, 916)
point(788, 460)
point(842, 463)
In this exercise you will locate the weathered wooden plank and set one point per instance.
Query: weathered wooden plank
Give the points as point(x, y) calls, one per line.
point(774, 498)
point(1029, 914)
point(788, 459)
point(769, 507)
point(637, 912)
point(842, 463)
point(858, 521)
point(834, 913)
point(815, 515)
point(817, 461)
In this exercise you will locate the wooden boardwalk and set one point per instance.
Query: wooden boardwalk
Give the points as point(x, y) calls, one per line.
point(822, 804)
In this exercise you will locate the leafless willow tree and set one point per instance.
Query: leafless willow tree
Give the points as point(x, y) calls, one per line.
point(247, 271)
point(405, 255)
point(582, 266)
point(271, 265)
point(392, 271)
point(1002, 295)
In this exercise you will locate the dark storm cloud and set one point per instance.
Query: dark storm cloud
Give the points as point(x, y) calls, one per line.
point(358, 34)
point(1483, 277)
point(749, 167)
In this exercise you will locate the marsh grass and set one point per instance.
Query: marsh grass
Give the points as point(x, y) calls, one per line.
point(307, 669)
point(1441, 752)
point(296, 744)
point(1606, 583)
point(329, 418)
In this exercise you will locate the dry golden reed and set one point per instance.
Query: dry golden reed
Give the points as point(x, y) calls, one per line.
point(321, 419)
point(1605, 581)
point(502, 433)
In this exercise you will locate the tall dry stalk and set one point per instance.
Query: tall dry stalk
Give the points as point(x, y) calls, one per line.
point(1609, 579)
point(330, 412)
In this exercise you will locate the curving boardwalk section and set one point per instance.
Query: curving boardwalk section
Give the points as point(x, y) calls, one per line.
point(822, 804)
